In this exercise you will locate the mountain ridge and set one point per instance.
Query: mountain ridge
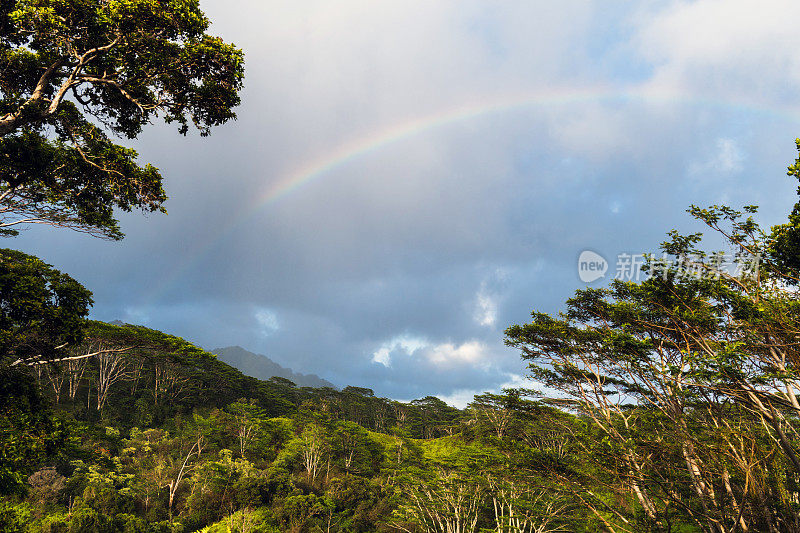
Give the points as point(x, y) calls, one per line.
point(262, 367)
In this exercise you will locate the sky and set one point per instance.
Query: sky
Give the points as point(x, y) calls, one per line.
point(406, 179)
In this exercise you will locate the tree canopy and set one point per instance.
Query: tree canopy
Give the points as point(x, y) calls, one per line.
point(74, 72)
point(42, 310)
point(689, 379)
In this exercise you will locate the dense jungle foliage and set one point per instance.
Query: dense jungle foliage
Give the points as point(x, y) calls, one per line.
point(137, 430)
point(668, 404)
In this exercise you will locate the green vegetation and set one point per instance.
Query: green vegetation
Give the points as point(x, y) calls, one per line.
point(138, 429)
point(42, 311)
point(671, 405)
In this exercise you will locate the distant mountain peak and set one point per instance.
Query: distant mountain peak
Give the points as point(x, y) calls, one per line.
point(262, 367)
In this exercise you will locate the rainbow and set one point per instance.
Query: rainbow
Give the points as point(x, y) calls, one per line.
point(357, 148)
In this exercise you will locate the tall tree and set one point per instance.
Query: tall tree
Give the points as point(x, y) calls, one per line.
point(111, 367)
point(697, 360)
point(448, 502)
point(75, 71)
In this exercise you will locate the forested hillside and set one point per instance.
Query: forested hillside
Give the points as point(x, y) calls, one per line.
point(666, 401)
point(137, 430)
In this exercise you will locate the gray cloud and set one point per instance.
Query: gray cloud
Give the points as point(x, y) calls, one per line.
point(455, 230)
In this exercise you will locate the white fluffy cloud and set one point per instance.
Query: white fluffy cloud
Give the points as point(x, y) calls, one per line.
point(723, 48)
point(442, 354)
point(407, 344)
point(449, 354)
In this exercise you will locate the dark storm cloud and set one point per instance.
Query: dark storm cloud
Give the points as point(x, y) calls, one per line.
point(399, 268)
